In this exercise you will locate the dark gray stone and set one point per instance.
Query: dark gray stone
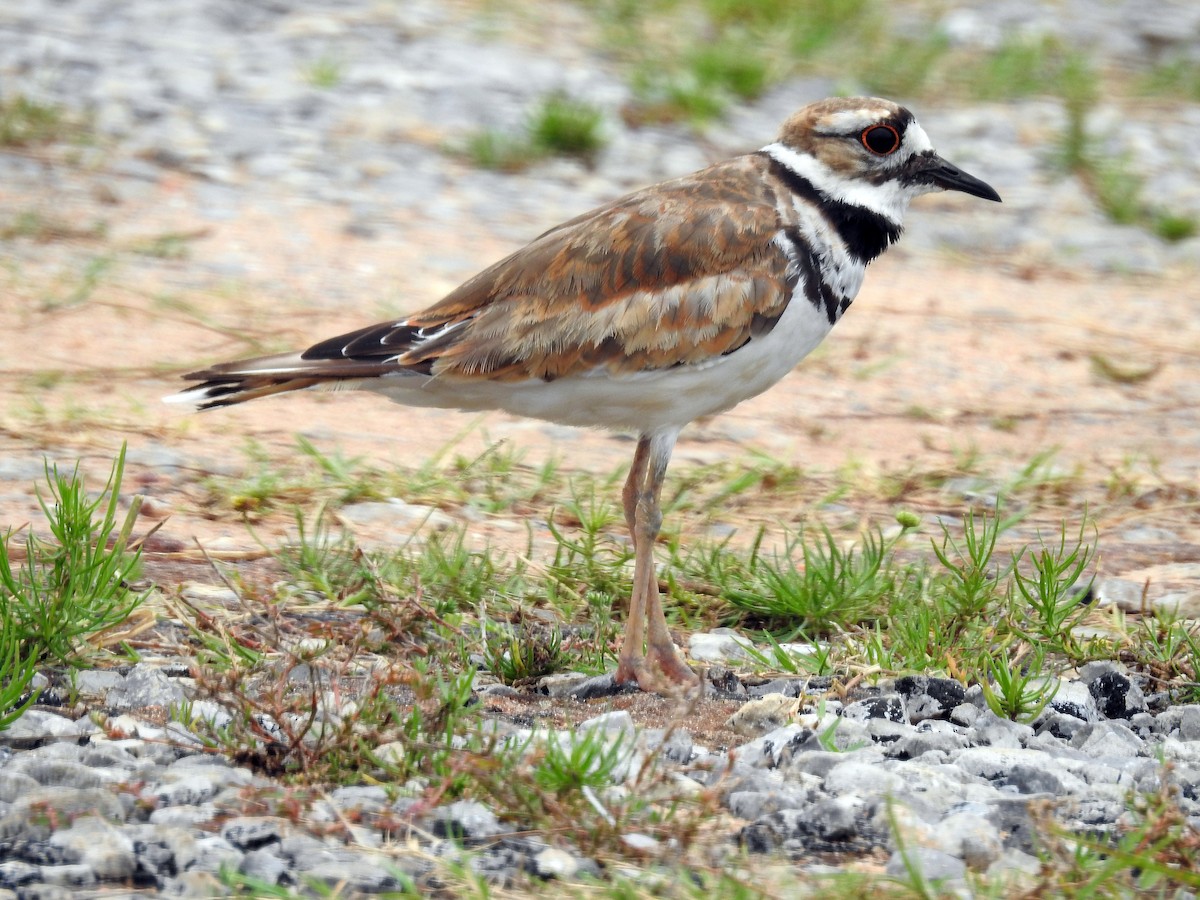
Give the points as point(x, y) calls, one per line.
point(15, 872)
point(888, 706)
point(929, 698)
point(251, 833)
point(919, 743)
point(1116, 696)
point(465, 819)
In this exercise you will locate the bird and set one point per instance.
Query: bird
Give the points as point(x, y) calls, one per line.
point(672, 303)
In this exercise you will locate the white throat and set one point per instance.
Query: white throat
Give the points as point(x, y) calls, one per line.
point(889, 199)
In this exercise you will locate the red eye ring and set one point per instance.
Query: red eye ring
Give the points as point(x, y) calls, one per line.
point(881, 139)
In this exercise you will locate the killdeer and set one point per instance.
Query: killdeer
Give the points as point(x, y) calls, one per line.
point(675, 302)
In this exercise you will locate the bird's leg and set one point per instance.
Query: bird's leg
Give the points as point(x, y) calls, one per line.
point(630, 660)
point(642, 512)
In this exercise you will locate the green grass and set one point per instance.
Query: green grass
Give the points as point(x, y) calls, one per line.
point(68, 586)
point(25, 122)
point(324, 73)
point(564, 126)
point(558, 126)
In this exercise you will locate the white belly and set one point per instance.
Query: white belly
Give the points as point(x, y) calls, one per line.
point(642, 403)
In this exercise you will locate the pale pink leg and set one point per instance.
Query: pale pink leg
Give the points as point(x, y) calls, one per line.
point(661, 668)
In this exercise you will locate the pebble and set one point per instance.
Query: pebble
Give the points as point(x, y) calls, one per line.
point(913, 767)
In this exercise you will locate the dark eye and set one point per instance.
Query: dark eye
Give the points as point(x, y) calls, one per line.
point(881, 139)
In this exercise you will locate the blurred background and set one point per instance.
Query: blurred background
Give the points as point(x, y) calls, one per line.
point(1086, 113)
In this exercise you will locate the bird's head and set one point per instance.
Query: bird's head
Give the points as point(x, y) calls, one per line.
point(872, 153)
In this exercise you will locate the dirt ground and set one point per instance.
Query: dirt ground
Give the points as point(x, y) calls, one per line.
point(941, 366)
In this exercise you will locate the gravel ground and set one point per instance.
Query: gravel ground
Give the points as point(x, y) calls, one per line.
point(214, 94)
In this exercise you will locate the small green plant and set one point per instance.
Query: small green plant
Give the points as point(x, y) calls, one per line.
point(1050, 590)
point(588, 759)
point(564, 126)
point(1173, 227)
point(826, 586)
point(324, 73)
point(24, 122)
point(18, 663)
point(1015, 689)
point(559, 126)
point(970, 582)
point(730, 65)
point(78, 583)
point(828, 737)
point(1175, 78)
point(325, 562)
point(524, 654)
point(500, 151)
point(1118, 189)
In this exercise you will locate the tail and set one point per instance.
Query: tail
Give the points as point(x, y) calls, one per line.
point(228, 384)
point(390, 348)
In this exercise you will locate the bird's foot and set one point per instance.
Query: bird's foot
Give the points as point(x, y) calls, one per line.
point(660, 672)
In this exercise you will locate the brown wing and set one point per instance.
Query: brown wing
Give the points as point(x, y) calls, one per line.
point(675, 274)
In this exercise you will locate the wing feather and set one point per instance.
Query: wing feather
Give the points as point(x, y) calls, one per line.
point(676, 274)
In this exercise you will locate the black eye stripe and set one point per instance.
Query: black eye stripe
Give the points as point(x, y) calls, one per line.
point(881, 139)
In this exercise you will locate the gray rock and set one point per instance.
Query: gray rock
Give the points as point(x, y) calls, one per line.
point(391, 522)
point(14, 873)
point(71, 875)
point(36, 724)
point(555, 863)
point(752, 805)
point(252, 832)
point(1026, 771)
point(60, 804)
point(769, 750)
point(213, 853)
point(42, 891)
point(1182, 722)
point(919, 743)
point(14, 785)
point(161, 850)
point(965, 714)
point(930, 864)
point(863, 779)
point(190, 790)
point(145, 685)
point(1073, 698)
point(719, 645)
point(994, 731)
point(264, 865)
point(465, 819)
point(183, 816)
point(98, 844)
point(97, 682)
point(675, 746)
point(1107, 739)
point(888, 706)
point(1060, 725)
point(355, 872)
point(969, 837)
point(364, 798)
